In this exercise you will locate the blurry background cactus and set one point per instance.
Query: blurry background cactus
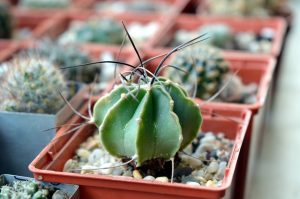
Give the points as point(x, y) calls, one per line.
point(204, 64)
point(222, 36)
point(207, 66)
point(66, 55)
point(30, 190)
point(45, 3)
point(96, 30)
point(6, 27)
point(245, 7)
point(31, 85)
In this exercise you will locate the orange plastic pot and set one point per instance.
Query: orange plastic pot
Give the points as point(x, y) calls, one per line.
point(61, 23)
point(190, 23)
point(48, 165)
point(7, 48)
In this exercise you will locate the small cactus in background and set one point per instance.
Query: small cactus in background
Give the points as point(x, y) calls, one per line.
point(105, 30)
point(220, 35)
point(45, 3)
point(29, 190)
point(66, 55)
point(30, 85)
point(205, 65)
point(6, 27)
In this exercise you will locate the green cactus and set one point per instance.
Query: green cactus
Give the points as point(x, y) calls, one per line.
point(45, 3)
point(6, 27)
point(154, 124)
point(221, 35)
point(30, 85)
point(104, 30)
point(66, 55)
point(205, 65)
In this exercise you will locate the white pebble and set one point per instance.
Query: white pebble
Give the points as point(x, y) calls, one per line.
point(192, 183)
point(162, 179)
point(149, 178)
point(213, 167)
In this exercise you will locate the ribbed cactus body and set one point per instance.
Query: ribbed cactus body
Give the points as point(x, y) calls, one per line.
point(6, 29)
point(148, 122)
point(204, 64)
point(31, 85)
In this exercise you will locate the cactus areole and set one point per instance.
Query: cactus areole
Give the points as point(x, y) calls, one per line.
point(147, 121)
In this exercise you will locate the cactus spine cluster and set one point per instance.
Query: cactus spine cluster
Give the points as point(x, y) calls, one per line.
point(205, 65)
point(31, 85)
point(6, 29)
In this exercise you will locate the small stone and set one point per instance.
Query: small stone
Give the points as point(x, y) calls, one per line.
point(208, 138)
point(106, 171)
point(213, 167)
point(192, 183)
point(59, 194)
point(117, 172)
point(210, 183)
point(137, 175)
point(203, 147)
point(83, 154)
point(149, 178)
point(250, 99)
point(92, 144)
point(127, 173)
point(69, 165)
point(162, 179)
point(95, 156)
point(267, 33)
point(221, 170)
point(191, 161)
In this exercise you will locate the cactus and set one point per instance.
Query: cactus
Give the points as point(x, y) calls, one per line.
point(154, 124)
point(66, 55)
point(6, 28)
point(221, 35)
point(105, 30)
point(30, 85)
point(204, 64)
point(45, 3)
point(28, 190)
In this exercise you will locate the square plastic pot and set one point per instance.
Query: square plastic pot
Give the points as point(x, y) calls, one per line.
point(71, 190)
point(49, 163)
point(190, 23)
point(61, 23)
point(30, 127)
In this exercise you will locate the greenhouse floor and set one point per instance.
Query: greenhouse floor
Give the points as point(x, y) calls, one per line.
point(277, 170)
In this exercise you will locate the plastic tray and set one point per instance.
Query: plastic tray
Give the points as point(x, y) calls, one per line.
point(48, 165)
